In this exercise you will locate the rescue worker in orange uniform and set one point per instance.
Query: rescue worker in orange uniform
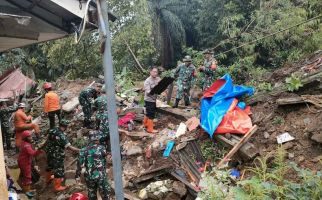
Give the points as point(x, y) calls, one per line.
point(25, 161)
point(22, 122)
point(51, 105)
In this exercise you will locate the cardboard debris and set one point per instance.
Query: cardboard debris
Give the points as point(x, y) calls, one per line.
point(192, 123)
point(285, 137)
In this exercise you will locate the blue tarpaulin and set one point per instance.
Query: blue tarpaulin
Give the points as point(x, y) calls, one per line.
point(214, 108)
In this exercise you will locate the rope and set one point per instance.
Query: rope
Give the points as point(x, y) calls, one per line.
point(83, 23)
point(269, 35)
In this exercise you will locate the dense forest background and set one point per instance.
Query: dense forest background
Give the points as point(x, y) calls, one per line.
point(161, 32)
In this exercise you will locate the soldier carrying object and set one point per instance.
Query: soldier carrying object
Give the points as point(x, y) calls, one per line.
point(150, 100)
point(55, 149)
point(210, 65)
point(93, 158)
point(185, 74)
point(84, 98)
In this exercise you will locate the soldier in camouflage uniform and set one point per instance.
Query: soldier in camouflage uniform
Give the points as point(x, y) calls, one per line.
point(85, 101)
point(55, 148)
point(208, 69)
point(186, 74)
point(100, 105)
point(93, 158)
point(5, 113)
point(103, 130)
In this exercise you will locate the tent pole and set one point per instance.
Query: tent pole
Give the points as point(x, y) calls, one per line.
point(110, 93)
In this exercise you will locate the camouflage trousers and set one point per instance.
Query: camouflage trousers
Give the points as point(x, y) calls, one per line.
point(86, 107)
point(6, 136)
point(56, 166)
point(183, 92)
point(100, 185)
point(207, 83)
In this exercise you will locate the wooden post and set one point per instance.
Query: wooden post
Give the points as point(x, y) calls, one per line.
point(238, 146)
point(3, 177)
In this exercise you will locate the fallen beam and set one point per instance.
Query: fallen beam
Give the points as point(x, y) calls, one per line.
point(176, 112)
point(313, 99)
point(238, 146)
point(184, 181)
point(248, 151)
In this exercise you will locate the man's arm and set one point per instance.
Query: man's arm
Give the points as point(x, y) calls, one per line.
point(46, 104)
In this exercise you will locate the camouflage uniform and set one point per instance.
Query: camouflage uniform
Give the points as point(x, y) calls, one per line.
point(56, 144)
point(5, 128)
point(185, 80)
point(85, 101)
point(209, 74)
point(93, 158)
point(101, 105)
point(103, 129)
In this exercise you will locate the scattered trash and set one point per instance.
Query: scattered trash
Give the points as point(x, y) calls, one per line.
point(235, 173)
point(192, 123)
point(181, 130)
point(168, 148)
point(285, 137)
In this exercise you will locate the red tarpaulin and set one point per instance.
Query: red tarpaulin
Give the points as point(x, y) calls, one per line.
point(14, 81)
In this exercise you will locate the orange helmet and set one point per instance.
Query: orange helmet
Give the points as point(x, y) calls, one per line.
point(78, 196)
point(47, 85)
point(26, 134)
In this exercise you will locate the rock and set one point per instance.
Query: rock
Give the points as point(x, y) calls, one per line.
point(291, 155)
point(70, 182)
point(317, 138)
point(288, 145)
point(143, 194)
point(301, 159)
point(307, 121)
point(61, 197)
point(134, 150)
point(172, 196)
point(266, 135)
point(179, 188)
point(70, 105)
point(317, 159)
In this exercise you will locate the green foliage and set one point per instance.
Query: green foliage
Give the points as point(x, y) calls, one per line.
point(213, 151)
point(265, 87)
point(266, 182)
point(124, 84)
point(278, 120)
point(293, 83)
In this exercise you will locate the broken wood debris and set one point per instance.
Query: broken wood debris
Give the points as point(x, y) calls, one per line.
point(232, 152)
point(313, 99)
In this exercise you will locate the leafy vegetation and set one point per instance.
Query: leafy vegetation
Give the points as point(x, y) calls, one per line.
point(268, 181)
point(293, 83)
point(278, 120)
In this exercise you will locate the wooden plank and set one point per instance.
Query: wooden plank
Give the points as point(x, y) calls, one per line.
point(3, 177)
point(238, 145)
point(291, 100)
point(176, 112)
point(184, 181)
point(248, 151)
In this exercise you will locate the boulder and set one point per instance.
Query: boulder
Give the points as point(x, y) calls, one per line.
point(70, 105)
point(317, 137)
point(179, 188)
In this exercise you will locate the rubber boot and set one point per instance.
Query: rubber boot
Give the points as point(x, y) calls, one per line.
point(49, 177)
point(145, 120)
point(150, 126)
point(176, 104)
point(27, 190)
point(57, 185)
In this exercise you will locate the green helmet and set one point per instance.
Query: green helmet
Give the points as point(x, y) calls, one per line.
point(94, 136)
point(63, 123)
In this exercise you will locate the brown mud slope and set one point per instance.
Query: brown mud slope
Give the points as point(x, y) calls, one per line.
point(302, 121)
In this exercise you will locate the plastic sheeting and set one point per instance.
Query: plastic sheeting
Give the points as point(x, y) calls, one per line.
point(219, 108)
